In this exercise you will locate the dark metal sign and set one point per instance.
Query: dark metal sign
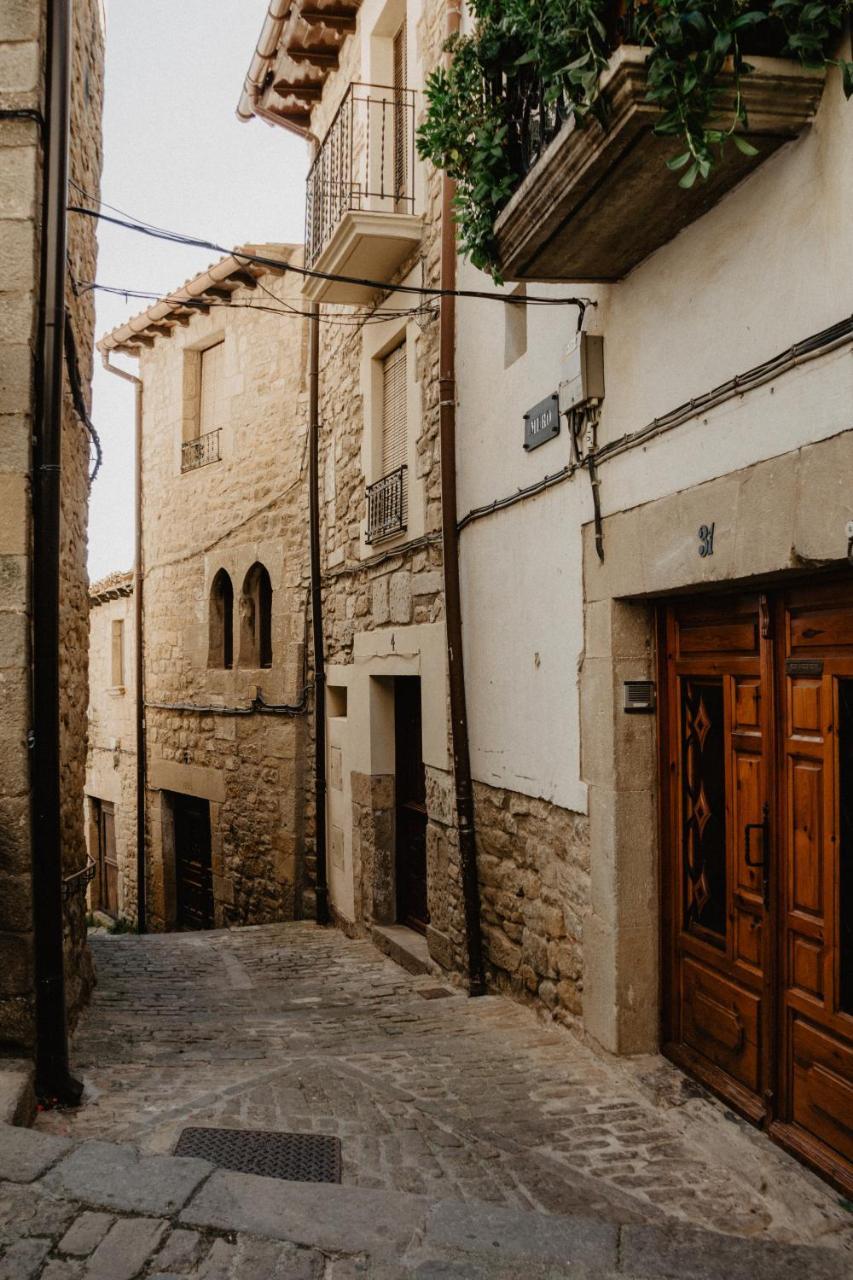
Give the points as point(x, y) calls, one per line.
point(804, 667)
point(542, 422)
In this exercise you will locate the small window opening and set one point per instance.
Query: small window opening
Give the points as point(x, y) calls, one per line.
point(336, 700)
point(256, 619)
point(515, 327)
point(221, 650)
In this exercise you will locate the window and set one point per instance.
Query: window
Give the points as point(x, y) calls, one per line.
point(394, 410)
point(221, 630)
point(212, 391)
point(117, 656)
point(256, 619)
point(401, 142)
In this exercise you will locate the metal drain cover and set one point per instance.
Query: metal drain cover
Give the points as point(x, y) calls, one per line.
point(434, 993)
point(296, 1157)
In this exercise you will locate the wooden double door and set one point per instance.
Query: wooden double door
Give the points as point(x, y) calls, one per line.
point(757, 815)
point(107, 858)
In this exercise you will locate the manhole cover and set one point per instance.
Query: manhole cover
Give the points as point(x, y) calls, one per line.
point(297, 1157)
point(434, 993)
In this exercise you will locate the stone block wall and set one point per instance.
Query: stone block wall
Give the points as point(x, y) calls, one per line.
point(398, 583)
point(533, 863)
point(250, 506)
point(111, 762)
point(22, 53)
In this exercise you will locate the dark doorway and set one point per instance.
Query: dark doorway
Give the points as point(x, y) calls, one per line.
point(411, 814)
point(107, 859)
point(193, 876)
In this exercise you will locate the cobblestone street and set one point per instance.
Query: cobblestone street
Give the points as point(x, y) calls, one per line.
point(293, 1028)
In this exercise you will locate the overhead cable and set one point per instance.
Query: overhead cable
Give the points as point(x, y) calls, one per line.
point(278, 264)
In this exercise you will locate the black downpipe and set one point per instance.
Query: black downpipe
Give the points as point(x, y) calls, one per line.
point(321, 884)
point(53, 1079)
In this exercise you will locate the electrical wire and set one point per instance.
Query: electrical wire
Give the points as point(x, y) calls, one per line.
point(73, 365)
point(174, 237)
point(256, 707)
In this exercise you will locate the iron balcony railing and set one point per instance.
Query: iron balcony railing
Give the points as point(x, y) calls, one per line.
point(201, 451)
point(387, 506)
point(366, 162)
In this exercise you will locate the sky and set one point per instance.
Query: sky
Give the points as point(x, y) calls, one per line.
point(176, 155)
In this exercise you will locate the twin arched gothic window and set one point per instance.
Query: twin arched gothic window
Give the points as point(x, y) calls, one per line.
point(255, 620)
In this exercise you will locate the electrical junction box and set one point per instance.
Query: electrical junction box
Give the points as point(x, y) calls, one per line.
point(585, 382)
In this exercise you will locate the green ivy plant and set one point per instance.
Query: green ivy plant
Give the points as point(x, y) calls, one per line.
point(549, 55)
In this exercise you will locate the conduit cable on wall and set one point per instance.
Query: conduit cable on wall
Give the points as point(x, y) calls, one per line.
point(819, 344)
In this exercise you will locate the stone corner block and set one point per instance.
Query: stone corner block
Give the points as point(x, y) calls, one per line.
point(25, 1154)
point(329, 1218)
point(114, 1176)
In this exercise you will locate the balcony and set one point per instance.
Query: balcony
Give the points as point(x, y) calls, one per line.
point(201, 451)
point(387, 502)
point(596, 201)
point(360, 216)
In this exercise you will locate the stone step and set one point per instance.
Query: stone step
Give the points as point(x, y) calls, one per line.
point(401, 1234)
point(405, 947)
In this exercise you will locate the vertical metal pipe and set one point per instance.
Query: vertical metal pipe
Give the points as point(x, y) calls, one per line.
point(452, 597)
point(139, 640)
point(53, 1079)
point(321, 884)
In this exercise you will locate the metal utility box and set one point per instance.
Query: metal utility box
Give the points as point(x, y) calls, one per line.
point(585, 357)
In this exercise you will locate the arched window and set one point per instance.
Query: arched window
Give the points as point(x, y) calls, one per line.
point(221, 645)
point(256, 619)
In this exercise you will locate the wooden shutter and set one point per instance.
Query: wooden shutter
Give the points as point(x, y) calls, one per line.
point(117, 653)
point(394, 410)
point(400, 131)
point(212, 388)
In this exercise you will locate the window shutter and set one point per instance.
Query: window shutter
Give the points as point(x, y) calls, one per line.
point(117, 653)
point(394, 410)
point(400, 130)
point(212, 387)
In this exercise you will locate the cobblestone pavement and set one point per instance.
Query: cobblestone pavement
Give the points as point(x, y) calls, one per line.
point(289, 1027)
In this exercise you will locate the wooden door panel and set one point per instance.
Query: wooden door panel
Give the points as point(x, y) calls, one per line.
point(825, 629)
point(806, 966)
point(722, 1022)
point(822, 1077)
point(805, 790)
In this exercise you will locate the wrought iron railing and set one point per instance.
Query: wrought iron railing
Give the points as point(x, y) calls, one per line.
point(366, 162)
point(537, 112)
point(79, 881)
point(201, 451)
point(387, 506)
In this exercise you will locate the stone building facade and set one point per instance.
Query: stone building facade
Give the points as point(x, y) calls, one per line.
point(656, 603)
point(392, 847)
point(111, 762)
point(22, 57)
point(224, 558)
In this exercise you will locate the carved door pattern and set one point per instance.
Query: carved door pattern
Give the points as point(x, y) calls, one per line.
point(757, 756)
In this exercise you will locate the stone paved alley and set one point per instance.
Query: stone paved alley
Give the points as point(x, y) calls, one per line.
point(293, 1028)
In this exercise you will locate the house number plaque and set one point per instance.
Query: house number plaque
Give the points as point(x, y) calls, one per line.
point(706, 540)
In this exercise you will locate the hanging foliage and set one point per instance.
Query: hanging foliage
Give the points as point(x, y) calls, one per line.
point(541, 61)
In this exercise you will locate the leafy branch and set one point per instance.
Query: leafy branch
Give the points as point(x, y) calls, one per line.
point(531, 65)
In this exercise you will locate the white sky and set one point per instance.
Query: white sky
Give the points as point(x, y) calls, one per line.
point(176, 156)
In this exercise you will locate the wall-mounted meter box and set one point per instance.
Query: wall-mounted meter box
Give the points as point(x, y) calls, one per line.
point(585, 357)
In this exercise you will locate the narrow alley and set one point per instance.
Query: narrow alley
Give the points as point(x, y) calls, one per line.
point(293, 1028)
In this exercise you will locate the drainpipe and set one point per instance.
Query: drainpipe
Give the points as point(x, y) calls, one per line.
point(141, 746)
point(452, 601)
point(321, 885)
point(53, 1079)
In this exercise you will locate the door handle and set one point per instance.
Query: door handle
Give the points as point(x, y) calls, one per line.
point(763, 862)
